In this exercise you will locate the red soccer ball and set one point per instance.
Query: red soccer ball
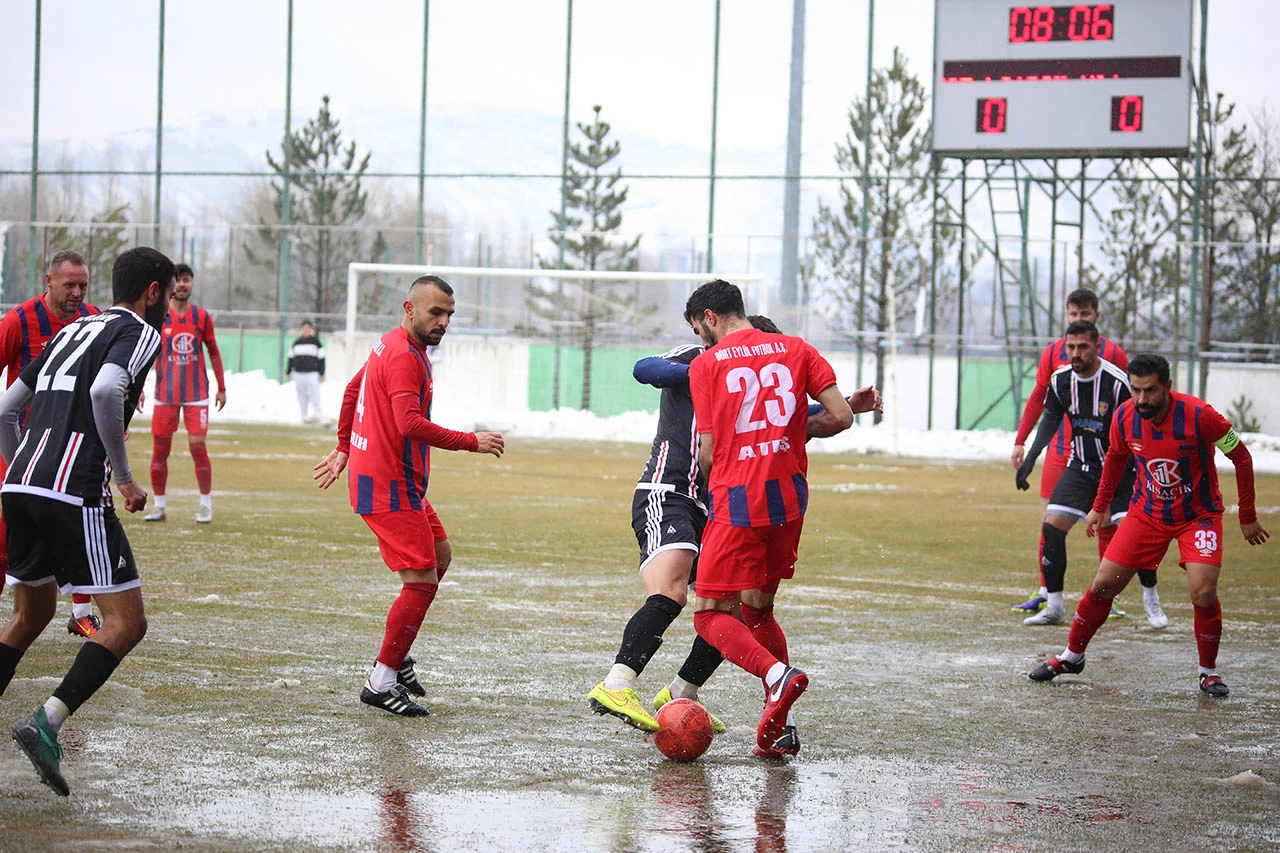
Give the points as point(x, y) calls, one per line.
point(684, 730)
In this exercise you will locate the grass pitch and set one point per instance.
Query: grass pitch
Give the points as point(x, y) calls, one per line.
point(235, 725)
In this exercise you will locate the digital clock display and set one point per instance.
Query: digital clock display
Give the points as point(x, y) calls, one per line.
point(1082, 22)
point(1062, 79)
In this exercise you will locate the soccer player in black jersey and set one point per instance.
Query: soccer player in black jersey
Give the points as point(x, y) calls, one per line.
point(1087, 391)
point(63, 528)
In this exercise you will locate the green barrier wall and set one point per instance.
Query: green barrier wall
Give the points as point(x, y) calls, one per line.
point(613, 390)
point(252, 349)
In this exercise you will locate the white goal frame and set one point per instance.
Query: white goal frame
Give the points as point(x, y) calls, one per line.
point(757, 296)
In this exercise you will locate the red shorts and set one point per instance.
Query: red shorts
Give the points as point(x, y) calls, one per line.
point(1142, 541)
point(1054, 465)
point(407, 538)
point(734, 559)
point(164, 419)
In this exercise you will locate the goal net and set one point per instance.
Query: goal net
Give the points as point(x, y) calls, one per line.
point(635, 307)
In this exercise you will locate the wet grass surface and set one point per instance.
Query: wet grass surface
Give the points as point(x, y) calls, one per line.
point(235, 725)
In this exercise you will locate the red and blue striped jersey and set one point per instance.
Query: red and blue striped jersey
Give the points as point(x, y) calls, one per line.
point(388, 471)
point(750, 393)
point(1053, 357)
point(181, 377)
point(1177, 477)
point(26, 329)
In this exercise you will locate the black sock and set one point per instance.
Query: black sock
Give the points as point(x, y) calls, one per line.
point(1055, 558)
point(643, 634)
point(89, 671)
point(9, 657)
point(1147, 577)
point(701, 663)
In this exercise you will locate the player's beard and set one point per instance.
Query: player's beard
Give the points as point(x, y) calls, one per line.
point(155, 313)
point(434, 337)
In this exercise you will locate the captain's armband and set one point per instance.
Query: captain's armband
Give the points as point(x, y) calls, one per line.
point(1228, 442)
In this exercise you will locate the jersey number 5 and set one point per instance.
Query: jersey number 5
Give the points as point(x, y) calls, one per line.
point(777, 410)
point(57, 375)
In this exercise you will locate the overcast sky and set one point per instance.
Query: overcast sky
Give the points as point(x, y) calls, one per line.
point(649, 63)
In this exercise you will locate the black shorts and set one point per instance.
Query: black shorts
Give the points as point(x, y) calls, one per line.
point(81, 548)
point(1076, 489)
point(664, 520)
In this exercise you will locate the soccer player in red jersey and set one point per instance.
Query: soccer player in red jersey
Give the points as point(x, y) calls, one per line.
point(1172, 438)
point(182, 384)
point(750, 391)
point(23, 333)
point(385, 431)
point(1082, 304)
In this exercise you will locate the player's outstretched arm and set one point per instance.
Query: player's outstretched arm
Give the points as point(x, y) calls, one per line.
point(12, 402)
point(1254, 532)
point(836, 415)
point(329, 469)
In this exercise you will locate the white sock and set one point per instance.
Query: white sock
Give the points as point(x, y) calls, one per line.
point(382, 677)
point(681, 689)
point(620, 677)
point(1070, 656)
point(206, 501)
point(159, 502)
point(1056, 604)
point(1150, 595)
point(791, 718)
point(57, 712)
point(775, 673)
point(79, 611)
point(1044, 593)
point(1208, 671)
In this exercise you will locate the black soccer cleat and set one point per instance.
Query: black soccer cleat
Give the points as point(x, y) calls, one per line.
point(394, 701)
point(409, 678)
point(1054, 667)
point(1214, 685)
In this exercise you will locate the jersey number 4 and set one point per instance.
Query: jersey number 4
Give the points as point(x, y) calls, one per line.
point(58, 371)
point(778, 409)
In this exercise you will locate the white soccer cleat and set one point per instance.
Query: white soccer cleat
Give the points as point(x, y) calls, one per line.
point(1155, 616)
point(1048, 616)
point(204, 514)
point(155, 515)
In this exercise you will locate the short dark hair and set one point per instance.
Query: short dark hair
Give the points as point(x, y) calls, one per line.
point(306, 323)
point(1083, 297)
point(183, 270)
point(764, 324)
point(135, 269)
point(1149, 364)
point(718, 296)
point(67, 256)
point(1083, 327)
point(432, 279)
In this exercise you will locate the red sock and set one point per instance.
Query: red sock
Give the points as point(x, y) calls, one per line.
point(403, 621)
point(1208, 624)
point(204, 470)
point(160, 464)
point(1091, 612)
point(766, 630)
point(1040, 556)
point(1105, 535)
point(733, 640)
point(80, 598)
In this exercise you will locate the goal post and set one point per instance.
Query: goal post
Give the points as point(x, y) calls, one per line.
point(755, 289)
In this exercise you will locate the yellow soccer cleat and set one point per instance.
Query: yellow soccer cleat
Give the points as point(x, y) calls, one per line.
point(623, 704)
point(664, 696)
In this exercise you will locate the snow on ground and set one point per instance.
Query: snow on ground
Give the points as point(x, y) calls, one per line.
point(253, 398)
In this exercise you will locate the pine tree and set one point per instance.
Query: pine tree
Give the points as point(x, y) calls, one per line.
point(588, 235)
point(1249, 282)
point(327, 204)
point(897, 245)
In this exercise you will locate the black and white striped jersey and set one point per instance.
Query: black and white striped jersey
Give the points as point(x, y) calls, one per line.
point(1089, 404)
point(60, 455)
point(673, 458)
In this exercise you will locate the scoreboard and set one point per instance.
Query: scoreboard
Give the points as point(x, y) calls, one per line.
point(1080, 80)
